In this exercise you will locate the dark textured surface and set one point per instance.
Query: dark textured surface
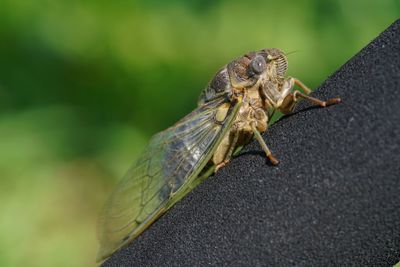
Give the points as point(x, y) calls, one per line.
point(333, 200)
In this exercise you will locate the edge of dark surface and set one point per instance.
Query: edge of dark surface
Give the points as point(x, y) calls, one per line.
point(318, 206)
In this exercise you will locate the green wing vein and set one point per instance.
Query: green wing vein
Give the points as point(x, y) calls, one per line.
point(170, 161)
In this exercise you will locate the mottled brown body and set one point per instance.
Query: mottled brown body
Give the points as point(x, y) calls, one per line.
point(257, 79)
point(253, 110)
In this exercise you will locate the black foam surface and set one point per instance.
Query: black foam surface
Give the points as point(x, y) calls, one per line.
point(334, 200)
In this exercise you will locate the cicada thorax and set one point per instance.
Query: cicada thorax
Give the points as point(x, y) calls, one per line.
point(230, 79)
point(241, 75)
point(220, 85)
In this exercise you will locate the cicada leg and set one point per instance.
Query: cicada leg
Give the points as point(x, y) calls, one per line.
point(264, 146)
point(302, 86)
point(292, 99)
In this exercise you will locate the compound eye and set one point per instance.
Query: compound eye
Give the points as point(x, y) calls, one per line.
point(258, 64)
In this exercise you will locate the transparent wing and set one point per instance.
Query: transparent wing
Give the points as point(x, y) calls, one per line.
point(171, 160)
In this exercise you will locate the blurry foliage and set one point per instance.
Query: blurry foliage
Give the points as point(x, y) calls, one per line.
point(83, 85)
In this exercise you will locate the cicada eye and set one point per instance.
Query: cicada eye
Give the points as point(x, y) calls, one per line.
point(258, 64)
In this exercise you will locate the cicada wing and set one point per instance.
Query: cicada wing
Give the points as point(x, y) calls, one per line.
point(171, 160)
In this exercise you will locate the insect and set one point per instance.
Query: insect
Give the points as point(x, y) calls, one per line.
point(235, 107)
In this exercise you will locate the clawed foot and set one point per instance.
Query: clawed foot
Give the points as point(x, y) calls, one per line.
point(331, 101)
point(273, 160)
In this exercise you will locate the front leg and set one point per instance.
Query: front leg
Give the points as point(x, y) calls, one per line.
point(290, 101)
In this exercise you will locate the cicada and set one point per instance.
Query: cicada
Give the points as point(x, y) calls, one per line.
point(235, 107)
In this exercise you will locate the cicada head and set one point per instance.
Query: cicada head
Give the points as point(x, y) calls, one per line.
point(266, 65)
point(266, 68)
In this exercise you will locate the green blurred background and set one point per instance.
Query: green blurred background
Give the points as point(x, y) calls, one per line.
point(84, 84)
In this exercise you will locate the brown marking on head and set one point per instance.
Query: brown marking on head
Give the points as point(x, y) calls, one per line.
point(270, 63)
